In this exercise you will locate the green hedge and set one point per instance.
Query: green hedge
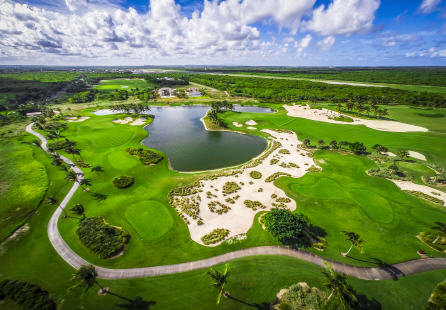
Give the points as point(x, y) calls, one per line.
point(123, 181)
point(147, 157)
point(28, 296)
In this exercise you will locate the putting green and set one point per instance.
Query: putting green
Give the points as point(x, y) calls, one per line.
point(149, 218)
point(374, 205)
point(121, 160)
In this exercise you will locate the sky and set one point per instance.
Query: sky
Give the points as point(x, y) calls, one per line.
point(223, 32)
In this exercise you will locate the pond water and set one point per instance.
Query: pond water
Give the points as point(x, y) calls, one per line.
point(180, 134)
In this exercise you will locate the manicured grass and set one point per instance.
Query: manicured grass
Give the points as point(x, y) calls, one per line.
point(150, 219)
point(124, 84)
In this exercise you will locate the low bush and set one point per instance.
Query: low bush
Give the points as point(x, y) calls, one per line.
point(437, 301)
point(255, 205)
point(345, 119)
point(215, 236)
point(100, 237)
point(426, 197)
point(123, 181)
point(147, 157)
point(27, 295)
point(435, 240)
point(230, 188)
point(287, 227)
point(275, 176)
point(284, 151)
point(255, 174)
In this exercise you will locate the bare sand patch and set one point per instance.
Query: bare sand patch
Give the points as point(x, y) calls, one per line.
point(138, 122)
point(417, 155)
point(124, 86)
point(237, 124)
point(325, 115)
point(214, 209)
point(77, 120)
point(410, 186)
point(251, 123)
point(390, 154)
point(123, 121)
point(251, 128)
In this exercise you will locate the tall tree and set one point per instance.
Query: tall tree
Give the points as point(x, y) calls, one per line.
point(341, 292)
point(219, 280)
point(86, 277)
point(355, 241)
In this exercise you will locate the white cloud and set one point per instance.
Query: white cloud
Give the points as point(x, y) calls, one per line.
point(303, 44)
point(428, 6)
point(431, 52)
point(343, 17)
point(327, 43)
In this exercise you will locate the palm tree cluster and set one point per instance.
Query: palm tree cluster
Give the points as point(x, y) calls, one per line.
point(131, 108)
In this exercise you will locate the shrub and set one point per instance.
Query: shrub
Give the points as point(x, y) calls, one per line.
point(78, 209)
point(100, 237)
point(275, 176)
point(255, 174)
point(215, 236)
point(302, 297)
point(147, 157)
point(123, 181)
point(438, 298)
point(253, 205)
point(230, 187)
point(27, 295)
point(286, 226)
point(284, 151)
point(345, 119)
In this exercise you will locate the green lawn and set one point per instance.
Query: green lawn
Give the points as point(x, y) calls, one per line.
point(124, 84)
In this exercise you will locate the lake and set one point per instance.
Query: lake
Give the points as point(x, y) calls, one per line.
point(180, 134)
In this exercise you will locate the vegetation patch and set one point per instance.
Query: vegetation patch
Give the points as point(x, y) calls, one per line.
point(147, 157)
point(426, 197)
point(100, 237)
point(275, 176)
point(436, 240)
point(218, 207)
point(255, 175)
point(345, 119)
point(314, 169)
point(437, 301)
point(123, 181)
point(215, 236)
point(284, 151)
point(255, 205)
point(28, 296)
point(230, 188)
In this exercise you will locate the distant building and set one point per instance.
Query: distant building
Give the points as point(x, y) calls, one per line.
point(193, 92)
point(32, 114)
point(167, 92)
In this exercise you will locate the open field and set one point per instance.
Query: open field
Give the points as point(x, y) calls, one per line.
point(126, 84)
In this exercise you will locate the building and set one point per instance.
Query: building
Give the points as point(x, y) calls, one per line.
point(193, 92)
point(167, 92)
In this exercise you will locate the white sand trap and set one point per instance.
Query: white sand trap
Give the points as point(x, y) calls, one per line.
point(239, 219)
point(77, 120)
point(390, 154)
point(410, 186)
point(417, 155)
point(123, 121)
point(124, 86)
point(325, 115)
point(138, 122)
point(251, 128)
point(237, 124)
point(251, 123)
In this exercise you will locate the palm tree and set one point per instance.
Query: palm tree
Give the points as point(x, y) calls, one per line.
point(86, 277)
point(71, 176)
point(403, 154)
point(340, 290)
point(219, 281)
point(53, 201)
point(97, 168)
point(355, 241)
point(441, 227)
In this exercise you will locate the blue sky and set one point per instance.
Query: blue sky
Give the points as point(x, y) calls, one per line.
point(224, 32)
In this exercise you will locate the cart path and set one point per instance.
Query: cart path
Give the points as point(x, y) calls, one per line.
point(382, 272)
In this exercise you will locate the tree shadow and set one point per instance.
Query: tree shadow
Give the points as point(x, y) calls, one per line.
point(364, 303)
point(137, 303)
point(262, 306)
point(394, 272)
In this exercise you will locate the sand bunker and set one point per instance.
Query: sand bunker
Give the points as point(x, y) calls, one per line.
point(251, 128)
point(237, 124)
point(417, 155)
point(138, 122)
point(325, 115)
point(390, 154)
point(231, 211)
point(77, 120)
point(123, 121)
point(251, 123)
point(410, 186)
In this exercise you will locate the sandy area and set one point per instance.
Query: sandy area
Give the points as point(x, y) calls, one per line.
point(124, 86)
point(347, 83)
point(237, 124)
point(239, 218)
point(77, 120)
point(410, 186)
point(325, 115)
point(251, 123)
point(417, 155)
point(138, 122)
point(251, 128)
point(390, 154)
point(123, 121)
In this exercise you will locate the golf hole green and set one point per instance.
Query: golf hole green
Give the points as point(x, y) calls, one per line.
point(150, 219)
point(375, 206)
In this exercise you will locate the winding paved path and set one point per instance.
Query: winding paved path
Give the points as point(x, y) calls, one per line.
point(382, 272)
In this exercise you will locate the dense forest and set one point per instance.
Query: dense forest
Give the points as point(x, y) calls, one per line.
point(274, 90)
point(409, 76)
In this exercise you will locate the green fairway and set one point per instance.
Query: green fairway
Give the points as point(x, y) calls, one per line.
point(149, 218)
point(126, 84)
